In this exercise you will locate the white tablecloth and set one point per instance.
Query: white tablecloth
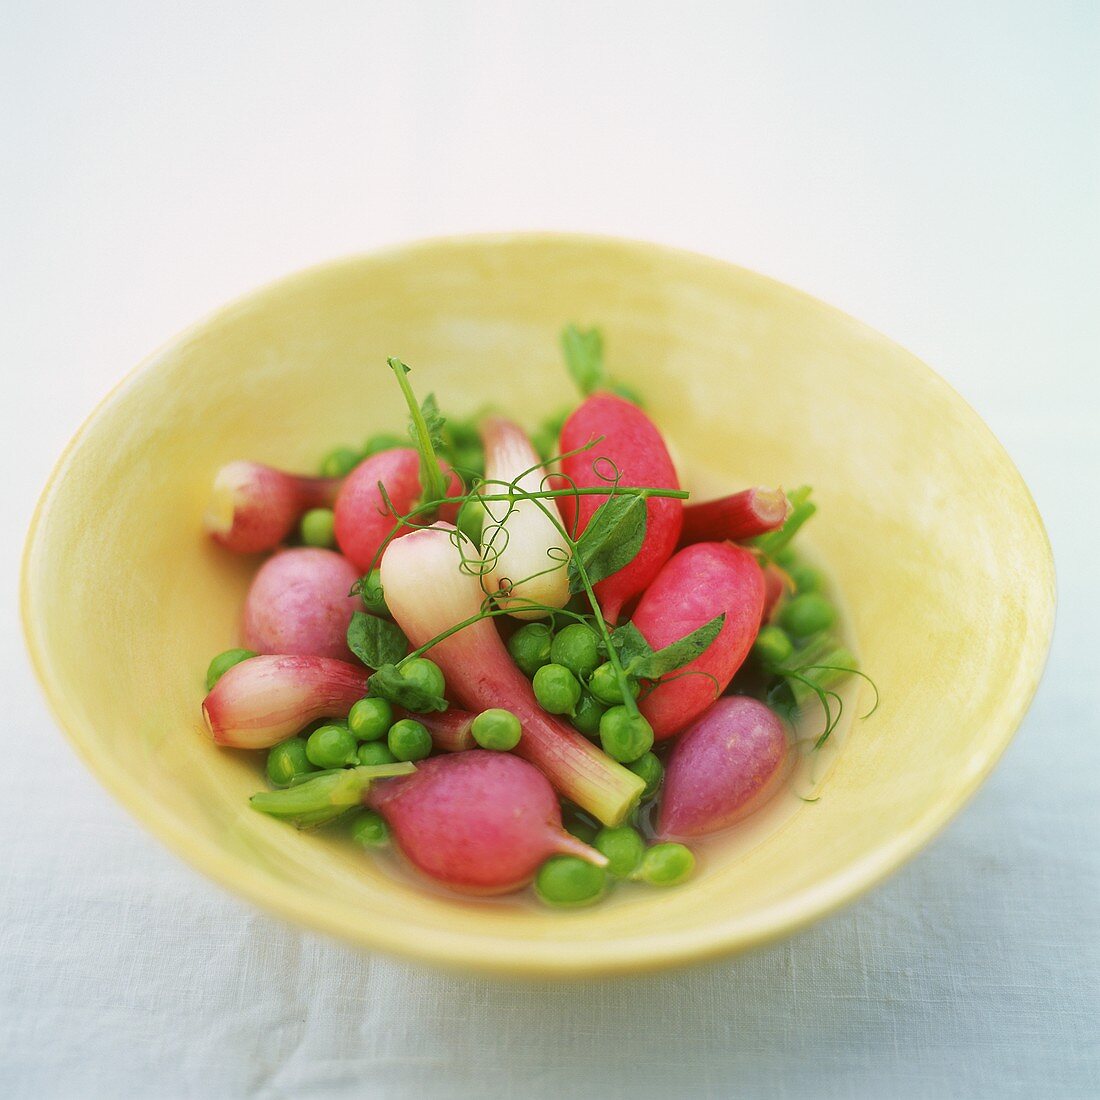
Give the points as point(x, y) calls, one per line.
point(929, 168)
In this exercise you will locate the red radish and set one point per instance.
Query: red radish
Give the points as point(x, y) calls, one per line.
point(728, 764)
point(254, 507)
point(742, 515)
point(479, 822)
point(299, 604)
point(699, 583)
point(450, 730)
point(429, 590)
point(267, 699)
point(633, 448)
point(775, 583)
point(363, 521)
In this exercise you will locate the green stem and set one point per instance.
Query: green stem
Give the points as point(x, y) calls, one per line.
point(433, 485)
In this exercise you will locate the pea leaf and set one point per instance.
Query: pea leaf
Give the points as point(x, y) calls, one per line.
point(388, 683)
point(611, 540)
point(630, 644)
point(433, 421)
point(583, 350)
point(376, 642)
point(653, 665)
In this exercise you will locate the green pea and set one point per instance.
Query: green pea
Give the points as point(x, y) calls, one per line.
point(650, 769)
point(370, 719)
point(604, 684)
point(382, 441)
point(496, 729)
point(221, 664)
point(624, 848)
point(806, 578)
point(409, 740)
point(331, 746)
point(588, 714)
point(424, 674)
point(369, 828)
point(786, 557)
point(806, 615)
point(286, 760)
point(569, 882)
point(625, 736)
point(772, 646)
point(375, 752)
point(318, 527)
point(530, 647)
point(556, 689)
point(666, 865)
point(577, 647)
point(340, 462)
point(372, 595)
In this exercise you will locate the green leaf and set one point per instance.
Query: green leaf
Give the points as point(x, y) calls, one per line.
point(433, 421)
point(652, 666)
point(630, 644)
point(611, 540)
point(388, 683)
point(376, 642)
point(583, 351)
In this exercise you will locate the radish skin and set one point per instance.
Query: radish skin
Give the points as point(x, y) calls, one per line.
point(699, 583)
point(254, 507)
point(478, 822)
point(724, 767)
point(521, 545)
point(266, 699)
point(363, 520)
point(429, 590)
point(634, 446)
point(298, 603)
point(739, 516)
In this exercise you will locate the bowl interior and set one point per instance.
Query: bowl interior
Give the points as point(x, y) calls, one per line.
point(924, 522)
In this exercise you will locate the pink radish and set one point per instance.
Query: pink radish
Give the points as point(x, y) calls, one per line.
point(739, 516)
point(776, 583)
point(299, 604)
point(728, 764)
point(699, 583)
point(267, 699)
point(429, 590)
point(254, 507)
point(633, 447)
point(479, 822)
point(450, 730)
point(363, 521)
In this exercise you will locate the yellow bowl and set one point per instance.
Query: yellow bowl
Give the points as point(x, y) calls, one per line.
point(925, 523)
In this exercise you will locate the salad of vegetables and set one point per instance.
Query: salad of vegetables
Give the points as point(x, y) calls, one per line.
point(522, 658)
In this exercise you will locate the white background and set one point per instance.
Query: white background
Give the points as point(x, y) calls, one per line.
point(932, 169)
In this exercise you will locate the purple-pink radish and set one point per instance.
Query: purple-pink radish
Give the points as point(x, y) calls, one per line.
point(450, 730)
point(298, 603)
point(266, 699)
point(697, 584)
point(738, 516)
point(479, 822)
point(431, 588)
point(726, 766)
point(363, 519)
point(632, 450)
point(254, 507)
